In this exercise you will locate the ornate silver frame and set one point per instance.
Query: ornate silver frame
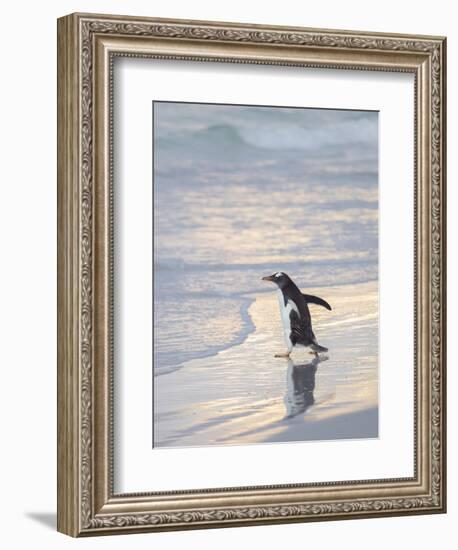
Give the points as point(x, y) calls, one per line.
point(87, 45)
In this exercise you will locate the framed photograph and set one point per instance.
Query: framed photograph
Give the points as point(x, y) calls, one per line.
point(251, 289)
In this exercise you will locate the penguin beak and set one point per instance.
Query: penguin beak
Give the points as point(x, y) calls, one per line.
point(268, 278)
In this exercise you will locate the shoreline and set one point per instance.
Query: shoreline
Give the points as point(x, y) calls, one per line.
point(248, 322)
point(242, 394)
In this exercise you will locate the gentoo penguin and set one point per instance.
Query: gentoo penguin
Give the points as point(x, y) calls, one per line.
point(295, 314)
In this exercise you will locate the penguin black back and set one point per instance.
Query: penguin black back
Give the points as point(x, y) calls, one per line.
point(296, 318)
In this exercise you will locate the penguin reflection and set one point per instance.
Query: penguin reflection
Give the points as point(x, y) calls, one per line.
point(300, 385)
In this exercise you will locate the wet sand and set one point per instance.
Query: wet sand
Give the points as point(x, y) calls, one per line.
point(244, 394)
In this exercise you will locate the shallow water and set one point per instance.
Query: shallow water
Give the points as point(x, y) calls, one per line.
point(244, 394)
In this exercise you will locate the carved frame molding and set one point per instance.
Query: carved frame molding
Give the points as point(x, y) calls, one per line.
point(87, 46)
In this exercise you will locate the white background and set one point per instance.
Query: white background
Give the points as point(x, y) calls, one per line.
point(28, 303)
point(388, 456)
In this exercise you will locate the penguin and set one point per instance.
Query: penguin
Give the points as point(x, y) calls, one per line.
point(295, 314)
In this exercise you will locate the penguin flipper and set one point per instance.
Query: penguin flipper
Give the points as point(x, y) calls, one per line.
point(315, 300)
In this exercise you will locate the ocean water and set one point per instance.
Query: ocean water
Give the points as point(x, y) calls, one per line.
point(241, 192)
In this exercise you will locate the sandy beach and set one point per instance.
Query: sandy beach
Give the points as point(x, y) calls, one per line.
point(243, 394)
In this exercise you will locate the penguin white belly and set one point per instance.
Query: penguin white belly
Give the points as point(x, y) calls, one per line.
point(285, 319)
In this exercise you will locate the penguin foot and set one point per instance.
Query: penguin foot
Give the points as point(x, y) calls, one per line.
point(286, 354)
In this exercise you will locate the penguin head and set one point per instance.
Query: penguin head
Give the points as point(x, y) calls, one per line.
point(279, 278)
